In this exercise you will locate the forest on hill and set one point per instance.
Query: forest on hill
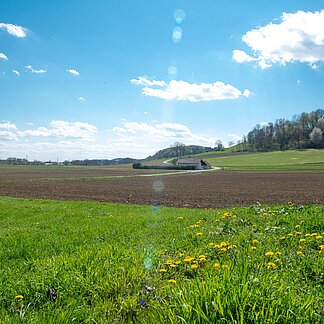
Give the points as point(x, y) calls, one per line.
point(301, 132)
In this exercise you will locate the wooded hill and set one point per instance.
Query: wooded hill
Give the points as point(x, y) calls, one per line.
point(301, 132)
point(179, 149)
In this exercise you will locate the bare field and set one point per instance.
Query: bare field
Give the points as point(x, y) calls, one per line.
point(203, 190)
point(39, 172)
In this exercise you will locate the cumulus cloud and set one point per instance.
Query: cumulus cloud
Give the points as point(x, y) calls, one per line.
point(141, 139)
point(3, 57)
point(7, 136)
point(14, 30)
point(8, 126)
point(297, 37)
point(60, 128)
point(16, 72)
point(29, 67)
point(73, 72)
point(185, 91)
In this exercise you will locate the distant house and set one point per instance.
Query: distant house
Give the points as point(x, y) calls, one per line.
point(196, 163)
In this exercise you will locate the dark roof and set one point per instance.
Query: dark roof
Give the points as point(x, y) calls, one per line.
point(189, 160)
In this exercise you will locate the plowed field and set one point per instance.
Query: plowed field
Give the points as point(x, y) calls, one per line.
point(204, 190)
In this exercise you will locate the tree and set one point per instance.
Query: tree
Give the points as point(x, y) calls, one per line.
point(179, 148)
point(230, 143)
point(316, 136)
point(219, 145)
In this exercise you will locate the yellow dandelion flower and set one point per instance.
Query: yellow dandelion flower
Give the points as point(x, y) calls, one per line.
point(211, 244)
point(255, 241)
point(269, 254)
point(278, 253)
point(307, 235)
point(298, 233)
point(216, 246)
point(297, 226)
point(19, 297)
point(290, 203)
point(321, 247)
point(178, 262)
point(163, 270)
point(172, 281)
point(173, 266)
point(223, 244)
point(313, 234)
point(199, 234)
point(302, 240)
point(271, 266)
point(253, 248)
point(300, 253)
point(223, 249)
point(169, 262)
point(181, 254)
point(290, 234)
point(282, 238)
point(225, 267)
point(188, 259)
point(194, 266)
point(300, 247)
point(217, 265)
point(319, 237)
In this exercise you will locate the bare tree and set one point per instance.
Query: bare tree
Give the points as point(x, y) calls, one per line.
point(316, 136)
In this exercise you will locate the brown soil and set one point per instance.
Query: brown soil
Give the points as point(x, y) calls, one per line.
point(204, 190)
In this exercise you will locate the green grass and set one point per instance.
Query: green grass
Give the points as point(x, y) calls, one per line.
point(104, 260)
point(299, 160)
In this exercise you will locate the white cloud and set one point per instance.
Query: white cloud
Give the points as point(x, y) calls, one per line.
point(16, 72)
point(60, 128)
point(241, 56)
point(14, 30)
point(185, 91)
point(3, 57)
point(81, 99)
point(144, 81)
point(72, 71)
point(297, 37)
point(29, 67)
point(8, 126)
point(7, 136)
point(141, 139)
point(234, 137)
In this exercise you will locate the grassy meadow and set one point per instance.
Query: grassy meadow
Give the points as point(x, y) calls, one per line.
point(310, 159)
point(90, 262)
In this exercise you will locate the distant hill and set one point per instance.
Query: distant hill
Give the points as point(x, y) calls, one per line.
point(171, 152)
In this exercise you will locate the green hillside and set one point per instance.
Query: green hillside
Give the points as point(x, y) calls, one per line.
point(311, 159)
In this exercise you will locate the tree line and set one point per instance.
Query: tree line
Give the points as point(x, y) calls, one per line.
point(301, 132)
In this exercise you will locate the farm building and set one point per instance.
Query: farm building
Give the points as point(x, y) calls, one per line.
point(196, 163)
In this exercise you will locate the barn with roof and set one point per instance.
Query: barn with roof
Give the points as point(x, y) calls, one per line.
point(194, 163)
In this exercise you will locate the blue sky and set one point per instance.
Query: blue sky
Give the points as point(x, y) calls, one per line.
point(104, 79)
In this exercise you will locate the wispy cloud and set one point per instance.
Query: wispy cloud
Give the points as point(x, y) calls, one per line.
point(3, 57)
point(298, 37)
point(14, 30)
point(73, 72)
point(16, 72)
point(29, 67)
point(185, 91)
point(81, 99)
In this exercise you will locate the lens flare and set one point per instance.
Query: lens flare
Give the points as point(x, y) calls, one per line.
point(179, 16)
point(177, 35)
